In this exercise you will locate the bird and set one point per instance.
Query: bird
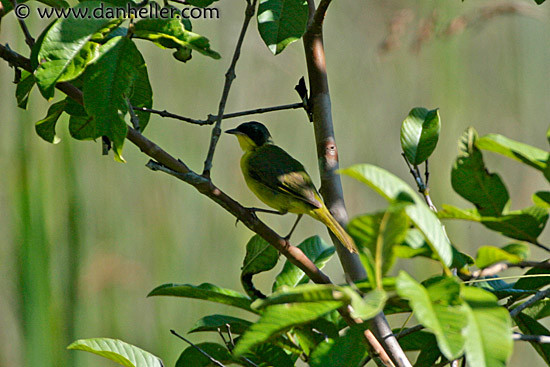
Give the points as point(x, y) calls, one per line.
point(280, 181)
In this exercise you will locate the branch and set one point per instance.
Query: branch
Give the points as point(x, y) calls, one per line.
point(212, 359)
point(537, 297)
point(331, 185)
point(212, 118)
point(498, 267)
point(229, 77)
point(540, 339)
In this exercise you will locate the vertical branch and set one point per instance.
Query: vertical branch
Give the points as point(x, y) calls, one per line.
point(229, 77)
point(327, 153)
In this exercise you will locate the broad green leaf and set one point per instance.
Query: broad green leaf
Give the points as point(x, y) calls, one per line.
point(471, 180)
point(542, 199)
point(524, 153)
point(538, 310)
point(438, 308)
point(363, 307)
point(204, 291)
point(530, 326)
point(83, 128)
point(282, 22)
point(489, 255)
point(260, 257)
point(425, 343)
point(519, 249)
point(344, 351)
point(171, 33)
point(141, 95)
point(488, 334)
point(278, 319)
point(316, 250)
point(525, 225)
point(24, 88)
point(534, 282)
point(110, 80)
point(268, 354)
point(390, 187)
point(191, 357)
point(45, 128)
point(118, 351)
point(215, 322)
point(379, 233)
point(66, 51)
point(539, 1)
point(419, 134)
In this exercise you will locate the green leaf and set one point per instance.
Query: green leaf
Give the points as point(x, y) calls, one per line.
point(530, 326)
point(521, 152)
point(282, 22)
point(344, 351)
point(66, 51)
point(260, 257)
point(110, 80)
point(215, 322)
point(379, 233)
point(439, 309)
point(45, 128)
point(519, 249)
point(471, 180)
point(534, 282)
point(277, 319)
point(538, 310)
point(316, 250)
point(539, 1)
point(268, 354)
point(489, 255)
point(55, 3)
point(191, 357)
point(171, 33)
point(24, 88)
point(424, 342)
point(525, 225)
point(542, 199)
point(419, 134)
point(204, 291)
point(390, 187)
point(488, 333)
point(363, 307)
point(118, 351)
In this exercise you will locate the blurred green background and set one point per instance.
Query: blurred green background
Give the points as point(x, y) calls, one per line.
point(83, 239)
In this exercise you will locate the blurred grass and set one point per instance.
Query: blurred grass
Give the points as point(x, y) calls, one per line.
point(83, 239)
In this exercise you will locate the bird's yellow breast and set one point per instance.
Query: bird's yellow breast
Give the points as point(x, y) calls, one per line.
point(275, 199)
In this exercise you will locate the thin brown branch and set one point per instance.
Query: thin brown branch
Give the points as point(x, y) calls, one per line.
point(229, 77)
point(29, 40)
point(213, 118)
point(500, 267)
point(212, 359)
point(540, 339)
point(531, 301)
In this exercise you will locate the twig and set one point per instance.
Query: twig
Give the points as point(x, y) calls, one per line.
point(212, 118)
point(213, 360)
point(408, 331)
point(29, 40)
point(540, 339)
point(537, 297)
point(422, 187)
point(499, 267)
point(134, 119)
point(229, 77)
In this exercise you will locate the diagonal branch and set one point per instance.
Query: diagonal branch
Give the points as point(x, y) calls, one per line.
point(229, 77)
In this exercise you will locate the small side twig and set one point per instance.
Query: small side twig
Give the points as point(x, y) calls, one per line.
point(213, 360)
point(537, 297)
point(134, 119)
point(409, 331)
point(213, 118)
point(422, 186)
point(229, 77)
point(29, 40)
point(499, 267)
point(540, 339)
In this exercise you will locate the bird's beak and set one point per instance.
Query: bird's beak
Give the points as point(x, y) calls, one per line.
point(233, 132)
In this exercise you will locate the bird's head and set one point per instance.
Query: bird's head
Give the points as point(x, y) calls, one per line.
point(251, 135)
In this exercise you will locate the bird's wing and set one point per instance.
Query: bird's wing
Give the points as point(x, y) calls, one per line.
point(275, 168)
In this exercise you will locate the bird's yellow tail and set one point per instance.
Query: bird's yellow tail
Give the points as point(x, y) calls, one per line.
point(323, 215)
